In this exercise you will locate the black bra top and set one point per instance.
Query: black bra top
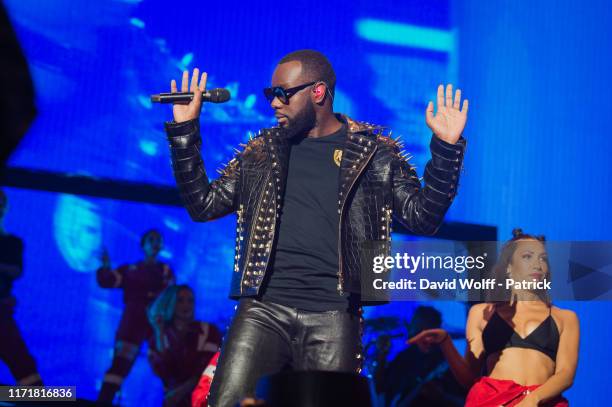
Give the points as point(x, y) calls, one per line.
point(499, 335)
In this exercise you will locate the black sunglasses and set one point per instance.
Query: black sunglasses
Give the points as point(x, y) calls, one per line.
point(284, 94)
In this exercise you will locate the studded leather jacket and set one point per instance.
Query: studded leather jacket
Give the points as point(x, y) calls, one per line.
point(376, 182)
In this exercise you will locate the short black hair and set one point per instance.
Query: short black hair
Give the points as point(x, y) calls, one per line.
point(427, 317)
point(315, 66)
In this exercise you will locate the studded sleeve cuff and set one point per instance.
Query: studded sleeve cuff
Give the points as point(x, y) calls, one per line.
point(443, 170)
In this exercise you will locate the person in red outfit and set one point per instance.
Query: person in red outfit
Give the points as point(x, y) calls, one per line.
point(13, 349)
point(141, 283)
point(200, 393)
point(181, 347)
point(527, 347)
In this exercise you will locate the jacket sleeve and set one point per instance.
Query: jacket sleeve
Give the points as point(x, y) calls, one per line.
point(419, 208)
point(203, 200)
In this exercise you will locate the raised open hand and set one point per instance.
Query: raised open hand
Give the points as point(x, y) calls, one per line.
point(448, 122)
point(189, 111)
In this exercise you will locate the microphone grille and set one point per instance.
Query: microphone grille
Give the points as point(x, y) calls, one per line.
point(219, 95)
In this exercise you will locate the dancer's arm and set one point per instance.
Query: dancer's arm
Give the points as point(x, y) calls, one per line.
point(108, 277)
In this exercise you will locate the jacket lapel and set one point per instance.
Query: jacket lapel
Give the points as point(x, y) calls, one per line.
point(278, 147)
point(359, 148)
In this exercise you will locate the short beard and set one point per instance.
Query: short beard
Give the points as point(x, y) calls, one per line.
point(303, 122)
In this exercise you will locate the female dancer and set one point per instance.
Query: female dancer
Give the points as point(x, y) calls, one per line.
point(181, 347)
point(526, 347)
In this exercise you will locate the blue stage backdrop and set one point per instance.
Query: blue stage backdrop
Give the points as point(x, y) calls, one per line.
point(537, 154)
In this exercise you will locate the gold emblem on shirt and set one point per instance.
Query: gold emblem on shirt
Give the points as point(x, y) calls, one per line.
point(337, 156)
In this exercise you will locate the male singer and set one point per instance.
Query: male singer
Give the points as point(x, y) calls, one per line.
point(308, 193)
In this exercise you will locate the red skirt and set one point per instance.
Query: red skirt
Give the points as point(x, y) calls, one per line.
point(488, 392)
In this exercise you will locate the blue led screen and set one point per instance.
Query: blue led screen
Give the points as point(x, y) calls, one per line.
point(537, 157)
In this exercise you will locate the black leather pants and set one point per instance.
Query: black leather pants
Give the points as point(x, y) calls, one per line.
point(265, 338)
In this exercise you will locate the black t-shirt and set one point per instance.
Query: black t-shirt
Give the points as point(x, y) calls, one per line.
point(305, 263)
point(11, 251)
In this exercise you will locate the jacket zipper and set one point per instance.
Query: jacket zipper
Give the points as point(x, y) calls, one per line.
point(240, 229)
point(253, 227)
point(388, 223)
point(340, 274)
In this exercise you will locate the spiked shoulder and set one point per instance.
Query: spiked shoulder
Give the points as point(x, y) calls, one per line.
point(382, 134)
point(395, 146)
point(255, 147)
point(355, 126)
point(387, 141)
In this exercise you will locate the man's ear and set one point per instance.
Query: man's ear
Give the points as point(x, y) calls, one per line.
point(319, 91)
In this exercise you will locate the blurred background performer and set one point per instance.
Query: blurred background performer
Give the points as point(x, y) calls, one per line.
point(181, 347)
point(13, 350)
point(141, 283)
point(526, 347)
point(416, 377)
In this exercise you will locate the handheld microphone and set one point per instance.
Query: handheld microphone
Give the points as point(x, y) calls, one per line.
point(217, 95)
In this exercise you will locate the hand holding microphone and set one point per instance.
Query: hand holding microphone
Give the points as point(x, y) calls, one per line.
point(217, 95)
point(186, 106)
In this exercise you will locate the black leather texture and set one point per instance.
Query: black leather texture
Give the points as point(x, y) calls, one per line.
point(376, 183)
point(266, 338)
